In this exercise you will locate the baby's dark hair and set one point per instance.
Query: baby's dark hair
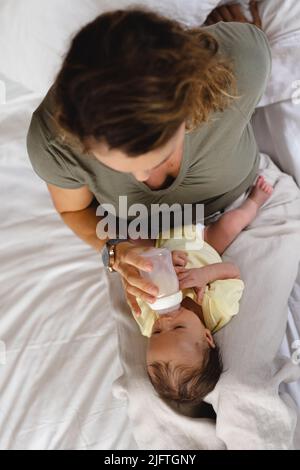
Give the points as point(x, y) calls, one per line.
point(189, 385)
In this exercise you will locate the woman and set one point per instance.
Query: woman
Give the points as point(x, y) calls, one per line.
point(146, 108)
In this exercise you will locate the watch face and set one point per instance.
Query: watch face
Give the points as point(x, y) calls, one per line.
point(105, 256)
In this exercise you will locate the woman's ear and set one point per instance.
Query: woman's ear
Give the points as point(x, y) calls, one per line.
point(209, 338)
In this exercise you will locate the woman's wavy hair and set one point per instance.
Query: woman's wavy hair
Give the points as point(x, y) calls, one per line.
point(133, 76)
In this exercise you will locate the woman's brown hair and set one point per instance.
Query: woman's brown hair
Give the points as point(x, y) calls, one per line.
point(133, 76)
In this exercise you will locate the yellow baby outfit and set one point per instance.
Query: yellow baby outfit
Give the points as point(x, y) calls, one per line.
point(221, 298)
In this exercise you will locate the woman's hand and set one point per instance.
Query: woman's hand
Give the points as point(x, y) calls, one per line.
point(128, 262)
point(187, 276)
point(234, 12)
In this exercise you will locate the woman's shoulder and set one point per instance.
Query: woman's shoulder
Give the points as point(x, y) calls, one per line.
point(43, 129)
point(248, 48)
point(50, 159)
point(235, 38)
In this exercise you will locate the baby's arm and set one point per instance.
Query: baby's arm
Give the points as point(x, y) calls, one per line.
point(200, 277)
point(220, 271)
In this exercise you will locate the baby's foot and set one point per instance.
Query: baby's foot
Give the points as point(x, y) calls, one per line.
point(261, 191)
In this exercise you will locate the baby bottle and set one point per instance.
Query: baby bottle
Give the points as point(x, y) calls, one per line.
point(164, 276)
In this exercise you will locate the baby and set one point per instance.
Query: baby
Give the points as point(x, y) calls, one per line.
point(183, 360)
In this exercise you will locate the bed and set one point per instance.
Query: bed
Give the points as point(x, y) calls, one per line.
point(65, 328)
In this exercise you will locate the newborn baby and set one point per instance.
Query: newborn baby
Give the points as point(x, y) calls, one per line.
point(183, 360)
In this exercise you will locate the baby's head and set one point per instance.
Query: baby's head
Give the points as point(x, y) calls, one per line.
point(183, 362)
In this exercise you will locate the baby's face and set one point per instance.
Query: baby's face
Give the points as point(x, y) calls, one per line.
point(180, 337)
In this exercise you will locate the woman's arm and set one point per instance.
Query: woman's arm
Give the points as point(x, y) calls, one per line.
point(77, 208)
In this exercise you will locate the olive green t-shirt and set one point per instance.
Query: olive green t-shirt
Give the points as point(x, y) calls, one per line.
point(220, 158)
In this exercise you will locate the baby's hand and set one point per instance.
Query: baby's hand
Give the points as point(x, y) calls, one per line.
point(195, 278)
point(179, 259)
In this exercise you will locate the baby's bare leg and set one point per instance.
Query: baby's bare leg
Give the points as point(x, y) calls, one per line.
point(221, 234)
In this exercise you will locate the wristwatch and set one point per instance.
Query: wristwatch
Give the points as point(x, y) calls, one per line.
point(108, 253)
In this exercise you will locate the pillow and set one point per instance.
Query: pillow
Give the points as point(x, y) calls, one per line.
point(276, 129)
point(36, 34)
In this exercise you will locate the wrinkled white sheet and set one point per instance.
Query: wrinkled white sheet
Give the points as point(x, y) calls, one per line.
point(277, 129)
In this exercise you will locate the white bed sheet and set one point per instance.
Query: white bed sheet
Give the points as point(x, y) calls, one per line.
point(55, 320)
point(277, 131)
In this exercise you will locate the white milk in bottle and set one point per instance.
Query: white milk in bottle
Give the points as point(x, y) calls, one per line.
point(164, 276)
